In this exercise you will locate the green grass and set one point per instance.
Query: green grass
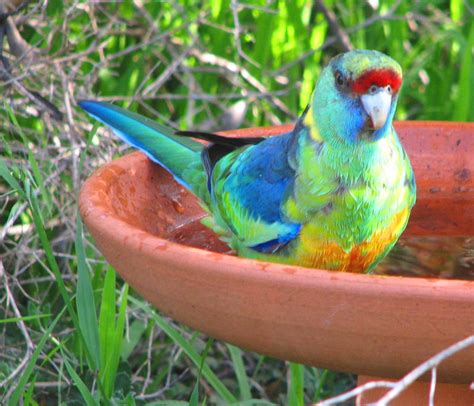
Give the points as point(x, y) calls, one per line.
point(94, 340)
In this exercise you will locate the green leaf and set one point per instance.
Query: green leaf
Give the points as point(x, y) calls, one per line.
point(463, 101)
point(54, 7)
point(456, 7)
point(216, 7)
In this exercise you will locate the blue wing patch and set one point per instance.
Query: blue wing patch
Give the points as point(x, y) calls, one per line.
point(260, 181)
point(272, 246)
point(263, 177)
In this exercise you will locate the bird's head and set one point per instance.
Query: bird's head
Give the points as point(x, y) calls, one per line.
point(356, 96)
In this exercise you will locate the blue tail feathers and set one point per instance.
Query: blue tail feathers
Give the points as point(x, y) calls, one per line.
point(158, 142)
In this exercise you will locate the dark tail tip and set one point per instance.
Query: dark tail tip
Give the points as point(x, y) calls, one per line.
point(87, 105)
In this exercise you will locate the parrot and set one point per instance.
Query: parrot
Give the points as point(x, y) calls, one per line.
point(334, 193)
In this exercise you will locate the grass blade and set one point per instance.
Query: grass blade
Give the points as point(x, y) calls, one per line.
point(19, 390)
point(28, 398)
point(37, 175)
point(135, 333)
point(189, 350)
point(85, 302)
point(81, 386)
point(24, 318)
point(40, 229)
point(296, 387)
point(107, 319)
point(9, 178)
point(239, 368)
point(194, 400)
point(112, 363)
point(322, 377)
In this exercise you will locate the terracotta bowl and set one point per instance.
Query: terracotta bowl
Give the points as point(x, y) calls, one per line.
point(147, 227)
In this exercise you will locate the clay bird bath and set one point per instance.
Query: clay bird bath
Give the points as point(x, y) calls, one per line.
point(148, 228)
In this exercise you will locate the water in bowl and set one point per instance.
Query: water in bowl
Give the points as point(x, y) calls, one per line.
point(432, 257)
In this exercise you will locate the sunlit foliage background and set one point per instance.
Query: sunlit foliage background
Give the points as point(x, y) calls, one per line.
point(191, 64)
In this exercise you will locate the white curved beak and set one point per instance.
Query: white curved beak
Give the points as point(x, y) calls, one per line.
point(377, 106)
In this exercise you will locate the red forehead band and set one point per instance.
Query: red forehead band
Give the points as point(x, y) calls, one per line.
point(377, 77)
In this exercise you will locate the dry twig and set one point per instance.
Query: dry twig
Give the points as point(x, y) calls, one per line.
point(21, 325)
point(212, 59)
point(342, 38)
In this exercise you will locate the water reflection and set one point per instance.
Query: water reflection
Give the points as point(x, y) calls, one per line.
point(435, 257)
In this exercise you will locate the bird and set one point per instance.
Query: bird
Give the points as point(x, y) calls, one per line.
point(334, 193)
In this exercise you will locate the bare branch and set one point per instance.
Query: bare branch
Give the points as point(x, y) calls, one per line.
point(334, 26)
point(233, 67)
point(237, 32)
point(21, 325)
point(356, 392)
point(433, 362)
point(156, 85)
point(432, 386)
point(398, 387)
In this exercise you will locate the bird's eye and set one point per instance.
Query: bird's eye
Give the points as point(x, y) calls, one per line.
point(373, 89)
point(340, 81)
point(389, 89)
